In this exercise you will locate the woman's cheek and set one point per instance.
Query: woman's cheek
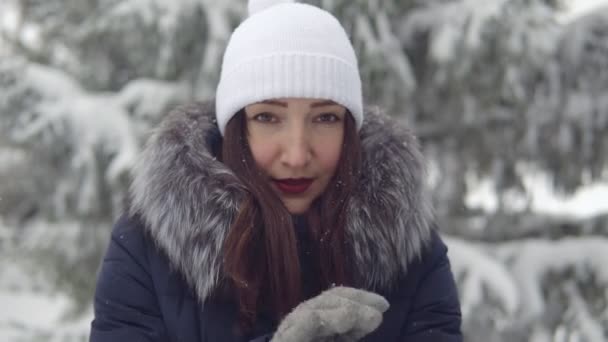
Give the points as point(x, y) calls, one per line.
point(262, 154)
point(329, 148)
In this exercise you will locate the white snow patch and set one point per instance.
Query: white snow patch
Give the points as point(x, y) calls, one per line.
point(31, 309)
point(12, 25)
point(9, 17)
point(481, 272)
point(10, 157)
point(586, 202)
point(36, 316)
point(148, 96)
point(481, 194)
point(39, 311)
point(97, 120)
point(534, 259)
point(577, 8)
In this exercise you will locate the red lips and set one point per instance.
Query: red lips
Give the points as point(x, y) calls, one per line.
point(293, 186)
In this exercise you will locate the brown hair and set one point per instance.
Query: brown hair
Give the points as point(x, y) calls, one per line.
point(261, 261)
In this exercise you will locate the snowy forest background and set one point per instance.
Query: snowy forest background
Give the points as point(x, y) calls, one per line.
point(509, 98)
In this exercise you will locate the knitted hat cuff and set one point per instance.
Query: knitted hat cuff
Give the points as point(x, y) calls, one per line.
point(283, 75)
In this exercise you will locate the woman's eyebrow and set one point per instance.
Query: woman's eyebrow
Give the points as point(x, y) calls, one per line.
point(275, 103)
point(323, 104)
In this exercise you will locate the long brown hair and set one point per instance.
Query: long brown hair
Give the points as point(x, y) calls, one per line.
point(261, 263)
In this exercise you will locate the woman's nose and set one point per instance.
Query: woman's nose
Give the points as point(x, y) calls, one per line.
point(297, 151)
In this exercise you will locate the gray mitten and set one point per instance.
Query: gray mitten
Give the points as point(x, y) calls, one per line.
point(340, 313)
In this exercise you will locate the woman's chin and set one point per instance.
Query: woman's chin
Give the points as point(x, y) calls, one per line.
point(296, 206)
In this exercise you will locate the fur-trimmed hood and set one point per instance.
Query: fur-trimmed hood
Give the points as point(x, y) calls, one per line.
point(188, 199)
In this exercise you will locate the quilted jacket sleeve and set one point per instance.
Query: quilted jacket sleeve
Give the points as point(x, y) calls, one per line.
point(435, 311)
point(126, 306)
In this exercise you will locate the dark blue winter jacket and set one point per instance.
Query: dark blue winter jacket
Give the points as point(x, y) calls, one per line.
point(164, 259)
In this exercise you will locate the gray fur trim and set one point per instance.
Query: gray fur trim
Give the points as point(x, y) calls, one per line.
point(188, 199)
point(390, 214)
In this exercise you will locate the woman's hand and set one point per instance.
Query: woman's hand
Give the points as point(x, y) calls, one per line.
point(338, 314)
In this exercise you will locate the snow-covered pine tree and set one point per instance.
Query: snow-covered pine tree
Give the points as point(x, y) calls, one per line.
point(82, 83)
point(496, 90)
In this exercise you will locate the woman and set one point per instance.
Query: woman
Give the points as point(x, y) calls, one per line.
point(284, 211)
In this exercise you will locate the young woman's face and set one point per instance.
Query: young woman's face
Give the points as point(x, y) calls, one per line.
point(297, 144)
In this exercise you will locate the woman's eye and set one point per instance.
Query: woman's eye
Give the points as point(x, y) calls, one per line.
point(265, 117)
point(328, 118)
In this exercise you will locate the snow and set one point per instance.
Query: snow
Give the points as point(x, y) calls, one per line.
point(41, 311)
point(5, 235)
point(8, 24)
point(11, 24)
point(146, 96)
point(9, 157)
point(164, 16)
point(98, 121)
point(587, 202)
point(31, 310)
point(447, 21)
point(481, 272)
point(576, 8)
point(515, 275)
point(591, 330)
point(510, 274)
point(164, 13)
point(534, 259)
point(31, 36)
point(9, 17)
point(391, 48)
point(34, 316)
point(481, 194)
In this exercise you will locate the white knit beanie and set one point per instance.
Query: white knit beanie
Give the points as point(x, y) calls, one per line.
point(287, 49)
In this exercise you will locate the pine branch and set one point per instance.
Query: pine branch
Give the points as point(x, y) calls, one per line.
point(509, 227)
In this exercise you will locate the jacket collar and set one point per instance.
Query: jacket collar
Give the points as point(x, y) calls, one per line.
point(188, 199)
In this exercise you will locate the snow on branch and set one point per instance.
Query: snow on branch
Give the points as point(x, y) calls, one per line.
point(533, 260)
point(527, 278)
point(448, 21)
point(93, 126)
point(387, 44)
point(97, 121)
point(146, 99)
point(590, 329)
point(478, 272)
point(165, 14)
